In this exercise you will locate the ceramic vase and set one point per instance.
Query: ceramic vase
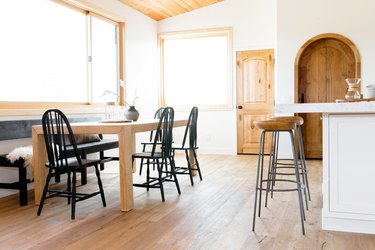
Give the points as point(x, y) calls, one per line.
point(131, 114)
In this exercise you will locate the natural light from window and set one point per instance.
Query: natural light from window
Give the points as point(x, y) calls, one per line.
point(196, 70)
point(104, 60)
point(44, 53)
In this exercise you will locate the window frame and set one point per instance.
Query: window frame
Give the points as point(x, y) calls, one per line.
point(227, 31)
point(19, 108)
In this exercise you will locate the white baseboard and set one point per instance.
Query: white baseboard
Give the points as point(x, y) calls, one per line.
point(348, 225)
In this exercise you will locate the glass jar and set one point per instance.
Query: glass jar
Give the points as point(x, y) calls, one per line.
point(353, 89)
point(110, 110)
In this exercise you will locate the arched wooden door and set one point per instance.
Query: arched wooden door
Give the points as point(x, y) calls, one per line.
point(322, 66)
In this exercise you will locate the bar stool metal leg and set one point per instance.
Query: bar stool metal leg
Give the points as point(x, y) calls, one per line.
point(271, 176)
point(271, 166)
point(303, 160)
point(258, 180)
point(301, 163)
point(302, 211)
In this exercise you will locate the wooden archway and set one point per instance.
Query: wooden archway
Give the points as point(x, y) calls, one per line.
point(306, 45)
point(321, 66)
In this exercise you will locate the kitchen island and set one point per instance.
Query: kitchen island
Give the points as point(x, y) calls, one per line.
point(348, 163)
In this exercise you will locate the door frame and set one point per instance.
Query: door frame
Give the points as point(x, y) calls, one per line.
point(339, 37)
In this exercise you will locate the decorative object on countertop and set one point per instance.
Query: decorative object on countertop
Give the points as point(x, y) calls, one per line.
point(131, 113)
point(370, 89)
point(353, 89)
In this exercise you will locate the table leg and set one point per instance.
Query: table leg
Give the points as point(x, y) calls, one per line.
point(126, 138)
point(39, 160)
point(133, 152)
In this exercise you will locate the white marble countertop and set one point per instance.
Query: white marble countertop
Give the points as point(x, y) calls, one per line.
point(347, 107)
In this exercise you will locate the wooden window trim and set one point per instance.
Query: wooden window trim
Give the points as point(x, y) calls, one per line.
point(38, 108)
point(227, 31)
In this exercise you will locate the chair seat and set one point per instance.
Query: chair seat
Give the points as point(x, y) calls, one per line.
point(151, 143)
point(148, 155)
point(93, 147)
point(183, 147)
point(73, 163)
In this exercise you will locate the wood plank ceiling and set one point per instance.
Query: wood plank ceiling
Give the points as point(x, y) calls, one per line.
point(160, 9)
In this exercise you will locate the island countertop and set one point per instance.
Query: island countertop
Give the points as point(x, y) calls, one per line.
point(348, 163)
point(344, 107)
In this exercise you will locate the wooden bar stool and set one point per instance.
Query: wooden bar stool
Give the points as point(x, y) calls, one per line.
point(283, 163)
point(272, 126)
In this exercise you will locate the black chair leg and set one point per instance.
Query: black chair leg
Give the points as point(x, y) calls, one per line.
point(69, 185)
point(57, 176)
point(100, 185)
point(189, 167)
point(74, 192)
point(148, 174)
point(173, 170)
point(45, 190)
point(83, 171)
point(197, 164)
point(101, 156)
point(160, 180)
point(140, 167)
point(22, 185)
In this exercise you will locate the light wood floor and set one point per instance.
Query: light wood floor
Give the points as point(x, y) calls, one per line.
point(214, 214)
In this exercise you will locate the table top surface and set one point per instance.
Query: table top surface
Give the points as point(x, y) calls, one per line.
point(113, 127)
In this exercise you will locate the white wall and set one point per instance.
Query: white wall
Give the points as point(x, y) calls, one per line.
point(254, 27)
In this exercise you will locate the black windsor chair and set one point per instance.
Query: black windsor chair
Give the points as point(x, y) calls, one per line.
point(189, 146)
point(164, 132)
point(59, 139)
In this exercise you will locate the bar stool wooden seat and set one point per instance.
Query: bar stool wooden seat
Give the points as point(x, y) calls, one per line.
point(285, 163)
point(279, 126)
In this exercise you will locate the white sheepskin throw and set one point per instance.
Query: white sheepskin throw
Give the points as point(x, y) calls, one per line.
point(27, 154)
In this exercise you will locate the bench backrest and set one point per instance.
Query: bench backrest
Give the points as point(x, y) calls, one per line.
point(18, 129)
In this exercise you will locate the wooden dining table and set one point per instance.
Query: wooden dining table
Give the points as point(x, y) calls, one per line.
point(126, 132)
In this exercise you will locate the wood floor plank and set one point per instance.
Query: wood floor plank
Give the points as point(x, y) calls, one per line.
point(215, 213)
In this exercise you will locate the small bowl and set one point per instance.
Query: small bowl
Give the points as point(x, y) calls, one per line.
point(370, 92)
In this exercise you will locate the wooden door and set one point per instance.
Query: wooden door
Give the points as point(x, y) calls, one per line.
point(255, 96)
point(322, 70)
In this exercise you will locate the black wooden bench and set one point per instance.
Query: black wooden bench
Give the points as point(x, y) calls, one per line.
point(18, 129)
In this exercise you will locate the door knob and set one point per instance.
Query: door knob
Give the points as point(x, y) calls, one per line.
point(239, 107)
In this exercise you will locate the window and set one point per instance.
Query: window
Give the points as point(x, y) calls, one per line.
point(55, 52)
point(195, 69)
point(104, 62)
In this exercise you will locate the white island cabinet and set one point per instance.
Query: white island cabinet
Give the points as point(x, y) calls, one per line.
point(348, 163)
